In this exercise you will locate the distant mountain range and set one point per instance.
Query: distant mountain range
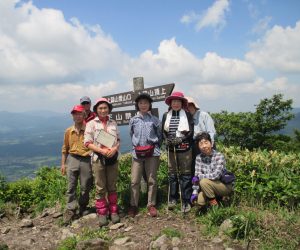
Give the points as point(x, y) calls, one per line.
point(33, 139)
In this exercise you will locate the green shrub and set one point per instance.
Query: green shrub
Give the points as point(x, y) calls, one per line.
point(245, 226)
point(68, 244)
point(171, 232)
point(265, 176)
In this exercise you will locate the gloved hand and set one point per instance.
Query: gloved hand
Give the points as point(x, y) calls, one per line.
point(194, 198)
point(176, 141)
point(195, 180)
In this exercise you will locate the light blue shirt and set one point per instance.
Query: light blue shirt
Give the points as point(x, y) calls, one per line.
point(204, 123)
point(145, 130)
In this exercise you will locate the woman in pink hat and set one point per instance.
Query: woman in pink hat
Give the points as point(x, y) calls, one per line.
point(178, 130)
point(104, 160)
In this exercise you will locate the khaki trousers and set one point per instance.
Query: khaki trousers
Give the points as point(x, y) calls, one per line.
point(105, 178)
point(212, 188)
point(78, 168)
point(150, 165)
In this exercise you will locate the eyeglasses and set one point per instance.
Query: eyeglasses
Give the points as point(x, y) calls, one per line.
point(85, 103)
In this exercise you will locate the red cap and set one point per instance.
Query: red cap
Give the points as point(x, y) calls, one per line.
point(77, 108)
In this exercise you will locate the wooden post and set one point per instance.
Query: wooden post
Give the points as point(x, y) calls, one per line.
point(138, 84)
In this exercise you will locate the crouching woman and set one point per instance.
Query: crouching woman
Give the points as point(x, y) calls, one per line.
point(209, 168)
point(104, 160)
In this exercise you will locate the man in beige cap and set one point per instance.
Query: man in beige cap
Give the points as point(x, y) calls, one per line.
point(202, 120)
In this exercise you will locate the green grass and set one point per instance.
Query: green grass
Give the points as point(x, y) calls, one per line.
point(265, 205)
point(171, 232)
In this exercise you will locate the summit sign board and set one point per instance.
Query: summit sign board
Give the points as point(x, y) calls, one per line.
point(157, 93)
point(123, 117)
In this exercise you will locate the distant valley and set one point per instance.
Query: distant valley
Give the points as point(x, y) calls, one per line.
point(29, 141)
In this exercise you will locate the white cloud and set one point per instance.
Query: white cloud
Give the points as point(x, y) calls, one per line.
point(173, 61)
point(52, 96)
point(38, 46)
point(214, 16)
point(262, 25)
point(48, 62)
point(235, 96)
point(278, 50)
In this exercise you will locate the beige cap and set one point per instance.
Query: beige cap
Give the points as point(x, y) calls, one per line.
point(191, 100)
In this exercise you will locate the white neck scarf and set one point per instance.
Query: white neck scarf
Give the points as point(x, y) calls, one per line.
point(183, 123)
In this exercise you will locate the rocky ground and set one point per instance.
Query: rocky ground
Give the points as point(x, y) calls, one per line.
point(142, 232)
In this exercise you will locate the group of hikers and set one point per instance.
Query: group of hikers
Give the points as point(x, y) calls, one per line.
point(195, 168)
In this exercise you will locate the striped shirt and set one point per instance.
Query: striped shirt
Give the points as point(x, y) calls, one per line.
point(210, 167)
point(174, 122)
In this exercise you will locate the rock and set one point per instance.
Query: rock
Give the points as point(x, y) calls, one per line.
point(89, 216)
point(2, 215)
point(217, 240)
point(225, 226)
point(122, 241)
point(175, 241)
point(44, 214)
point(94, 244)
point(29, 242)
point(116, 226)
point(57, 214)
point(160, 241)
point(26, 223)
point(5, 230)
point(65, 233)
point(127, 229)
point(75, 224)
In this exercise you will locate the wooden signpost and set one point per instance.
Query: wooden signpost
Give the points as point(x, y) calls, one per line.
point(123, 117)
point(157, 93)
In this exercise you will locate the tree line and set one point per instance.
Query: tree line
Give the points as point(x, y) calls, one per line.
point(259, 129)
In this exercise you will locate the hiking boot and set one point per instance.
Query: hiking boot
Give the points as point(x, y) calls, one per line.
point(186, 207)
point(213, 202)
point(132, 211)
point(152, 211)
point(172, 204)
point(83, 211)
point(114, 218)
point(68, 216)
point(102, 220)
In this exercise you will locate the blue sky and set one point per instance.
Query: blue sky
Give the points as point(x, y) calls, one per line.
point(226, 54)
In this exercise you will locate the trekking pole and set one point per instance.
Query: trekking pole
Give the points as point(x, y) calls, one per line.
point(168, 155)
point(178, 179)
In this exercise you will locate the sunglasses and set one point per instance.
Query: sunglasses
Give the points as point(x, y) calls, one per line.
point(85, 103)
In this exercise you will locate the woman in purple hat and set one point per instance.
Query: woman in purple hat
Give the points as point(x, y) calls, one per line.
point(104, 160)
point(178, 130)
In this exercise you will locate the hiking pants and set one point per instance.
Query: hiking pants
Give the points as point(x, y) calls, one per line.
point(150, 165)
point(180, 166)
point(78, 168)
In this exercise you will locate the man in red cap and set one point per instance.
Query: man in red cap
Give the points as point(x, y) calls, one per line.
point(76, 163)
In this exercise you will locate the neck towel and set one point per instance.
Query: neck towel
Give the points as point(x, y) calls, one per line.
point(183, 123)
